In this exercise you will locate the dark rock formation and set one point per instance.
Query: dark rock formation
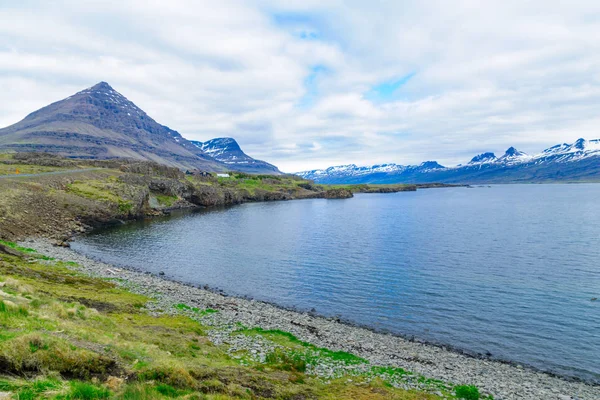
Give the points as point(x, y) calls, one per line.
point(338, 194)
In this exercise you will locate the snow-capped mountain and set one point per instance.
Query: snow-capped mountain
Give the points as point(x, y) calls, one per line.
point(578, 161)
point(356, 172)
point(228, 151)
point(514, 156)
point(484, 158)
point(579, 150)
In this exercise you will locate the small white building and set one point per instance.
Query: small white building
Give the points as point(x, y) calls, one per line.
point(223, 175)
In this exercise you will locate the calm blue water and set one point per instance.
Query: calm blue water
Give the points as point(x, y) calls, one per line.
point(509, 269)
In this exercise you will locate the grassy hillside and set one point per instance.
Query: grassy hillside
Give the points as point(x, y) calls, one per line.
point(64, 335)
point(44, 195)
point(66, 196)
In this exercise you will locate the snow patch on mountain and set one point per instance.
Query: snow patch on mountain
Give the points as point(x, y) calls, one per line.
point(228, 151)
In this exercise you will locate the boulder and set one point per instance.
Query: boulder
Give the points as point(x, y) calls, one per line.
point(10, 251)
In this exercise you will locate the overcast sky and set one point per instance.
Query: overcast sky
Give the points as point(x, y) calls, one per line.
point(309, 84)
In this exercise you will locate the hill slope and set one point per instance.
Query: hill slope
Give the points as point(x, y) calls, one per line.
point(579, 161)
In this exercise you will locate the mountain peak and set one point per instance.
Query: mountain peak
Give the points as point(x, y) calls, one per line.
point(219, 146)
point(482, 158)
point(512, 152)
point(431, 165)
point(580, 144)
point(228, 151)
point(101, 123)
point(229, 143)
point(102, 85)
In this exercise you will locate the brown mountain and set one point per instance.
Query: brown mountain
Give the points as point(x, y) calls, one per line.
point(101, 123)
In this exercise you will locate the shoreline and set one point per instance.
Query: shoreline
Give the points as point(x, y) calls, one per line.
point(344, 321)
point(502, 379)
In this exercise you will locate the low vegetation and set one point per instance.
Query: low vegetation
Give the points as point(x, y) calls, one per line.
point(369, 188)
point(67, 336)
point(95, 192)
point(64, 335)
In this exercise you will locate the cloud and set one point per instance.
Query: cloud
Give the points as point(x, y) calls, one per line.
point(307, 84)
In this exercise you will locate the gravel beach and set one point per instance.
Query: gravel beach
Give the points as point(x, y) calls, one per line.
point(502, 380)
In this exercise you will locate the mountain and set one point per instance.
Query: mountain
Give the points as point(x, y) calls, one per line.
point(579, 161)
point(483, 159)
point(228, 151)
point(101, 123)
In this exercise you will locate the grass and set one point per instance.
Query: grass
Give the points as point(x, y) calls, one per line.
point(287, 360)
point(17, 247)
point(107, 190)
point(166, 201)
point(87, 391)
point(71, 335)
point(373, 188)
point(309, 351)
point(185, 307)
point(267, 183)
point(11, 169)
point(54, 206)
point(467, 392)
point(8, 310)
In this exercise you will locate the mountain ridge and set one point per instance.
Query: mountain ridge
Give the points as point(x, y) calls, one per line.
point(578, 161)
point(228, 151)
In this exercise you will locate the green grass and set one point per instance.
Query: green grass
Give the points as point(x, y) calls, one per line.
point(367, 188)
point(87, 391)
point(6, 386)
point(170, 391)
point(11, 169)
point(17, 247)
point(287, 360)
point(467, 392)
point(7, 311)
point(79, 331)
point(289, 340)
point(107, 190)
point(252, 183)
point(166, 201)
point(185, 307)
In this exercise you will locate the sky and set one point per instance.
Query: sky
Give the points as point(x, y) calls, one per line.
point(308, 84)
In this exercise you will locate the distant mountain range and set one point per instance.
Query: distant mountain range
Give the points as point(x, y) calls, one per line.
point(100, 123)
point(579, 161)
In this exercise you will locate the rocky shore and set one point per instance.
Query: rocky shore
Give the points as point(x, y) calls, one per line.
point(430, 366)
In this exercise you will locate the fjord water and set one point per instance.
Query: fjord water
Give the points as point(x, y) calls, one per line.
point(508, 269)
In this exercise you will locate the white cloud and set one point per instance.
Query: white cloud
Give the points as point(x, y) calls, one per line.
point(487, 75)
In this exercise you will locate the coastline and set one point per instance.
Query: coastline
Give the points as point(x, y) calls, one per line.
point(504, 380)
